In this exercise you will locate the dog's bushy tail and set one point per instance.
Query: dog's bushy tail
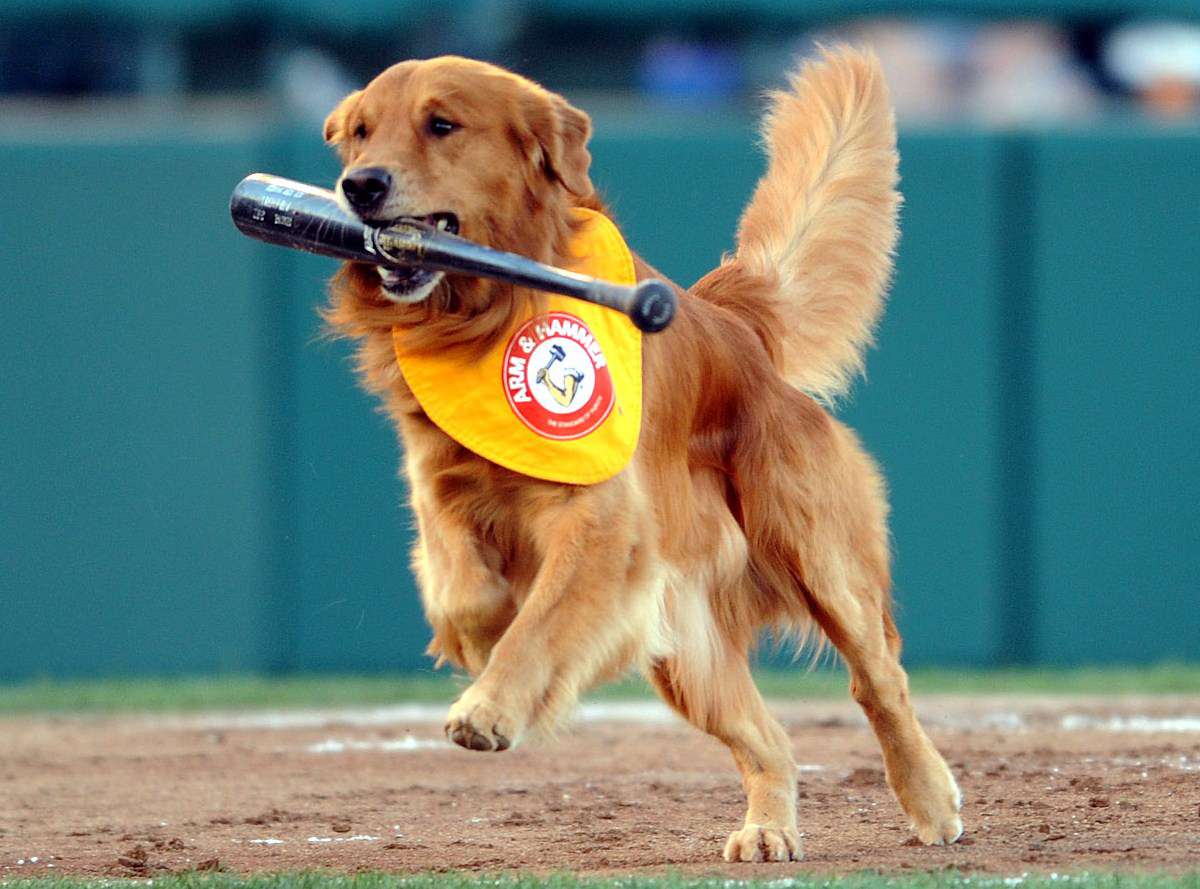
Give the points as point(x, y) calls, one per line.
point(821, 229)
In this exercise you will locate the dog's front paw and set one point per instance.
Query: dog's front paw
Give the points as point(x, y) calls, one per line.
point(754, 842)
point(477, 723)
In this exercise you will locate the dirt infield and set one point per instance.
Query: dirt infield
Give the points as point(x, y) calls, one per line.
point(1049, 785)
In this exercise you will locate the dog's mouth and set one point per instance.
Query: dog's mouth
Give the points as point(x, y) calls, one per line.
point(444, 221)
point(411, 284)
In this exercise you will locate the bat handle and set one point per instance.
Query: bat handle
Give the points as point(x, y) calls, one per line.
point(650, 304)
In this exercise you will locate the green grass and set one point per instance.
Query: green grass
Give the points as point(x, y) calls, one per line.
point(245, 692)
point(935, 880)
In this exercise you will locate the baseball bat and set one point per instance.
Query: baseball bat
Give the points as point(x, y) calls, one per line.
point(304, 217)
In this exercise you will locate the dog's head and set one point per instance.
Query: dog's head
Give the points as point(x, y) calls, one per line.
point(470, 148)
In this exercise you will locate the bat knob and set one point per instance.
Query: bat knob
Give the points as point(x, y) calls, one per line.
point(654, 304)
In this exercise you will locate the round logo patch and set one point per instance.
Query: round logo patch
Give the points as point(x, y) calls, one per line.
point(556, 377)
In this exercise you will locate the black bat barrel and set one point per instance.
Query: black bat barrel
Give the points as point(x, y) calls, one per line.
point(303, 217)
point(293, 214)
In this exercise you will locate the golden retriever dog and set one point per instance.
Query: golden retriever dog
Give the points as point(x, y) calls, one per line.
point(746, 507)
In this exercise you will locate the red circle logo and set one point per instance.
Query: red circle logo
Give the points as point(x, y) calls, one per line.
point(556, 377)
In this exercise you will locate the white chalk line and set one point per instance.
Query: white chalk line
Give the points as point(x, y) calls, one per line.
point(637, 712)
point(357, 838)
point(651, 713)
point(384, 745)
point(275, 841)
point(1142, 724)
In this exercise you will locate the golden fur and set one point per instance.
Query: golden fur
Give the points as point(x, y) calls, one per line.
point(747, 506)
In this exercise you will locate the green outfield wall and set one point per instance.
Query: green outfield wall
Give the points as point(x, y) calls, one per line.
point(192, 483)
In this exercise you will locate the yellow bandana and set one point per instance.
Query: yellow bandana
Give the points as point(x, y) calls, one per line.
point(560, 397)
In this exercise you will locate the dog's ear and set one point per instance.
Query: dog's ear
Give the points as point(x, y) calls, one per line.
point(335, 124)
point(560, 134)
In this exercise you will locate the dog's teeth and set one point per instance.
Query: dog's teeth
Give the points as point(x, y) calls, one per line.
point(442, 223)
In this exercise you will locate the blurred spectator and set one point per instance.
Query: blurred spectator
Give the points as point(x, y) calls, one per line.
point(1002, 72)
point(312, 82)
point(927, 63)
point(1027, 71)
point(1159, 62)
point(679, 69)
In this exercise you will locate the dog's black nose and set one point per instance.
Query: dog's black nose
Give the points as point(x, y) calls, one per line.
point(366, 188)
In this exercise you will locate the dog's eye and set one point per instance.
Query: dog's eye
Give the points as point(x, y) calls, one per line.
point(440, 127)
point(360, 131)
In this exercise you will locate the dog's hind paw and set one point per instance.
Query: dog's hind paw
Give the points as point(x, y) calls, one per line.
point(757, 843)
point(935, 811)
point(940, 833)
point(478, 724)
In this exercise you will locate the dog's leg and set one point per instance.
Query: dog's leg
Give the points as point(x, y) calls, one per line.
point(862, 630)
point(717, 694)
point(593, 607)
point(467, 602)
point(824, 555)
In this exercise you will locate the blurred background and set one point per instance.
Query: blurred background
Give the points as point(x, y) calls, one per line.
point(191, 482)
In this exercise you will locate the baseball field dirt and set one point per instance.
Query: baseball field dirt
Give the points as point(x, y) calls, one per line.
point(1051, 784)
